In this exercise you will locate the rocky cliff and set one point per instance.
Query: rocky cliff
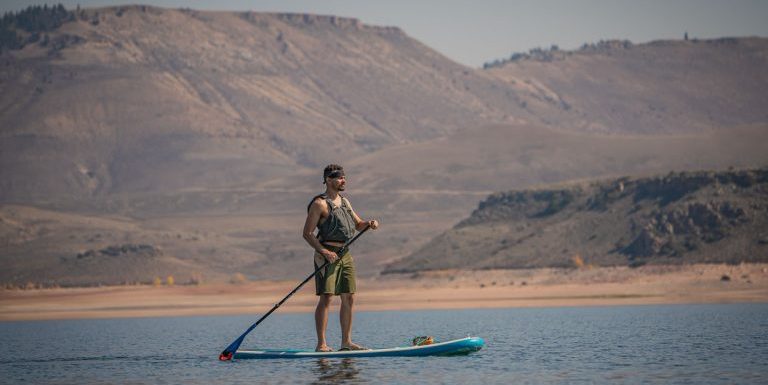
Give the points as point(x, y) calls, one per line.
point(686, 217)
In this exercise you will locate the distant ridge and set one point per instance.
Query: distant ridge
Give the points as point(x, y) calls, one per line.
point(554, 53)
point(664, 86)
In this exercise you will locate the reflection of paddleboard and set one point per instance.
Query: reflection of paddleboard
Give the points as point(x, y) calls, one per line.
point(449, 348)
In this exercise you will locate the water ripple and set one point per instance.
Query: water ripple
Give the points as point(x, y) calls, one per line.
point(702, 344)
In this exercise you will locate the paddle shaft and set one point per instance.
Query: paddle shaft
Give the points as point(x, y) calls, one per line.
point(232, 348)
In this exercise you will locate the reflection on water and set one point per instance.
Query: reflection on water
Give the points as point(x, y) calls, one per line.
point(336, 371)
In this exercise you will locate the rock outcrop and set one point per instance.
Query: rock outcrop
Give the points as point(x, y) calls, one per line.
point(685, 217)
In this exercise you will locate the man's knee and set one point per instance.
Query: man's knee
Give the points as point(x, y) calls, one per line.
point(325, 300)
point(347, 299)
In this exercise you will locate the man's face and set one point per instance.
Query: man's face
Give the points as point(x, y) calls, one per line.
point(338, 183)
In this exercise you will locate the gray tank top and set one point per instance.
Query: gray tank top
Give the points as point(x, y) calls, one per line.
point(340, 224)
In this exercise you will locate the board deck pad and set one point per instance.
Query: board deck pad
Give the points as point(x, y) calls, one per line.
point(449, 348)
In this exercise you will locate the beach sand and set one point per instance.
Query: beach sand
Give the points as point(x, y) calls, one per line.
point(454, 289)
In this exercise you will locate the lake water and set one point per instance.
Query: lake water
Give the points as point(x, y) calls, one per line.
point(638, 344)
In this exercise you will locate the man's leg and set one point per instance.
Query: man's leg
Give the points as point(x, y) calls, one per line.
point(345, 316)
point(321, 321)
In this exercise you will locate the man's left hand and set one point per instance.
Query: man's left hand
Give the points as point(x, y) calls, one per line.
point(373, 224)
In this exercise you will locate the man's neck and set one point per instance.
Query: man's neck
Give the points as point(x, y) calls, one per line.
point(331, 194)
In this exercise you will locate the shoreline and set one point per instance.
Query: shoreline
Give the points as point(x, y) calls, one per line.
point(448, 289)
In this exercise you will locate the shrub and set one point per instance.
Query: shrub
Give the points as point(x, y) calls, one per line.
point(195, 279)
point(238, 279)
point(578, 262)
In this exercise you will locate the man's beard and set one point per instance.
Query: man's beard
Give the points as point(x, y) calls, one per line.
point(342, 187)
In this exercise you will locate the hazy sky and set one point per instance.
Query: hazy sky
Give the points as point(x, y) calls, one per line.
point(474, 32)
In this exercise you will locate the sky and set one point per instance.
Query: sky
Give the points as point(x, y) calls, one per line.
point(480, 31)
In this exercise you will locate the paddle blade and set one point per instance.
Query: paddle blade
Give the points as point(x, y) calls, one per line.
point(229, 352)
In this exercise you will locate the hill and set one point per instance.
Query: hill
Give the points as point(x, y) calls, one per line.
point(659, 87)
point(688, 217)
point(500, 157)
point(191, 141)
point(144, 99)
point(417, 191)
point(137, 99)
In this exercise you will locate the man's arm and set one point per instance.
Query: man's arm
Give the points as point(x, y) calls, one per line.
point(313, 218)
point(361, 224)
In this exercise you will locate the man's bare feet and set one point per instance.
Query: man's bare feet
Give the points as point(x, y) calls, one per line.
point(353, 346)
point(323, 348)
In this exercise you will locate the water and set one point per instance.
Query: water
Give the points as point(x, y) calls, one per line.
point(696, 344)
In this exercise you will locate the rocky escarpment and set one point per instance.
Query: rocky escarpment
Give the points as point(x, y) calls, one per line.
point(687, 217)
point(694, 223)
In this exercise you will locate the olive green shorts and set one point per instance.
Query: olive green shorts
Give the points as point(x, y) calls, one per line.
point(337, 277)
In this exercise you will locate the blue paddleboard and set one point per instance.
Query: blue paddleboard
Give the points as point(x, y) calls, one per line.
point(448, 348)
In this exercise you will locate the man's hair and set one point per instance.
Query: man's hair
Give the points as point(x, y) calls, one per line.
point(330, 169)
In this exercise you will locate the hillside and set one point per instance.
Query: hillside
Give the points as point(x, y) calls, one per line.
point(501, 157)
point(689, 217)
point(138, 99)
point(417, 191)
point(658, 87)
point(191, 141)
point(144, 99)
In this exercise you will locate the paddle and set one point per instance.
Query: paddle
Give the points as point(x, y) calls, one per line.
point(229, 352)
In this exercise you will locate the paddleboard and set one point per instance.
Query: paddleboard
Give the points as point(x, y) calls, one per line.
point(449, 348)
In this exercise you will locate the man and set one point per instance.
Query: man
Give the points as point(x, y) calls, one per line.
point(336, 222)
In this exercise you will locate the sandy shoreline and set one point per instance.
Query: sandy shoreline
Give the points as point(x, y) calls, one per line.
point(433, 290)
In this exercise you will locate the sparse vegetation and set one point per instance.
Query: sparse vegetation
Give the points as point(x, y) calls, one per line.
point(554, 53)
point(556, 201)
point(605, 45)
point(522, 204)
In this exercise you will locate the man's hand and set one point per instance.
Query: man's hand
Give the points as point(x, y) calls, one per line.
point(330, 256)
point(373, 224)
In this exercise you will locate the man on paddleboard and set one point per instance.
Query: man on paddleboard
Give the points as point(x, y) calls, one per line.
point(337, 223)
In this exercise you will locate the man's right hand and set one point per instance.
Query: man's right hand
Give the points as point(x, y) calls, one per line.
point(330, 256)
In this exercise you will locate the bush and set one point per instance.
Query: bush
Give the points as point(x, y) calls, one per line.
point(238, 279)
point(195, 279)
point(578, 262)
